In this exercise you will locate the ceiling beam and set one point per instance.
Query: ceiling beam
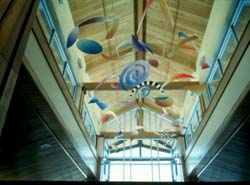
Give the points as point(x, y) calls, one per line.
point(139, 7)
point(90, 86)
point(142, 134)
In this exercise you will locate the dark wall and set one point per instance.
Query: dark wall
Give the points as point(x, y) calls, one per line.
point(233, 162)
point(27, 149)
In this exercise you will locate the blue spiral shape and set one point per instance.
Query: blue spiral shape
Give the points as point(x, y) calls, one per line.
point(134, 74)
point(144, 92)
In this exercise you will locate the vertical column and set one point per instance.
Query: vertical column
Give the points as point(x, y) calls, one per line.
point(100, 148)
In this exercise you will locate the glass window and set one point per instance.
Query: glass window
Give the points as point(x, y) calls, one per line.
point(194, 121)
point(47, 30)
point(55, 50)
point(206, 97)
point(242, 20)
point(165, 172)
point(116, 171)
point(89, 126)
point(215, 80)
point(69, 81)
point(228, 52)
point(139, 168)
point(199, 112)
point(133, 170)
point(188, 135)
point(152, 163)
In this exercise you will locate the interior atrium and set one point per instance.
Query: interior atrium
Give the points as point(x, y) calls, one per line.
point(124, 90)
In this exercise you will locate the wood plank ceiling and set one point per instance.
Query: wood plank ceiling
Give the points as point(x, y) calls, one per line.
point(190, 16)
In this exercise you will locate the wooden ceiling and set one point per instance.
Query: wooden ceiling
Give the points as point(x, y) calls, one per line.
point(190, 16)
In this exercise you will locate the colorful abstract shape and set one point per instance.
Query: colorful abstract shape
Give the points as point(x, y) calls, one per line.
point(164, 101)
point(185, 36)
point(104, 80)
point(89, 46)
point(101, 105)
point(179, 45)
point(137, 46)
point(134, 74)
point(166, 12)
point(149, 3)
point(153, 62)
point(72, 37)
point(203, 63)
point(115, 85)
point(182, 75)
point(105, 118)
point(144, 92)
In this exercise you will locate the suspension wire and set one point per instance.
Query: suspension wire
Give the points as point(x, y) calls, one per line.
point(172, 42)
point(156, 127)
point(150, 124)
point(114, 38)
point(130, 112)
point(125, 123)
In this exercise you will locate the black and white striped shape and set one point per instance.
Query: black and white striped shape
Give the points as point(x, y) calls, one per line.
point(146, 83)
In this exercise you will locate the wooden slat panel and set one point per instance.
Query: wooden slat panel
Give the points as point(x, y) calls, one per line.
point(24, 155)
point(43, 111)
point(232, 163)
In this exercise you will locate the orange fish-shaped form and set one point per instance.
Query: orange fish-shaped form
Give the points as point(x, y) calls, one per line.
point(105, 118)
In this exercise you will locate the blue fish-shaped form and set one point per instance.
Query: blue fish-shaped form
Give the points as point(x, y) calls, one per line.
point(89, 46)
point(72, 37)
point(178, 120)
point(129, 42)
point(119, 135)
point(162, 98)
point(100, 104)
point(137, 45)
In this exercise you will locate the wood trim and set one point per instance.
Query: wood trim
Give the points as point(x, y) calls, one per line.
point(141, 134)
point(17, 47)
point(202, 103)
point(81, 103)
point(235, 60)
point(140, 112)
point(10, 33)
point(4, 6)
point(140, 8)
point(12, 26)
point(90, 86)
point(59, 78)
